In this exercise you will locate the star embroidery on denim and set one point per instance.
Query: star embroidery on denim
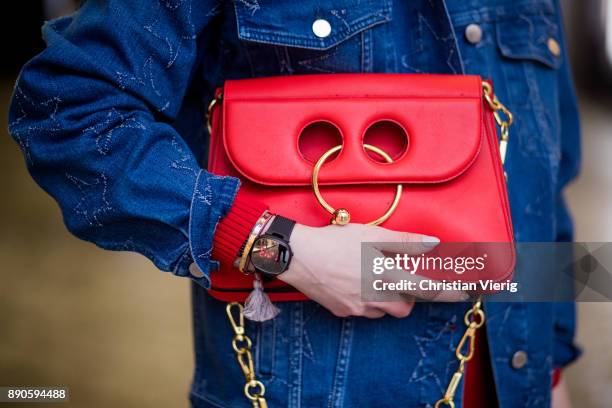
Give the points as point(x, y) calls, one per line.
point(205, 196)
point(48, 108)
point(93, 202)
point(205, 256)
point(183, 162)
point(104, 130)
point(421, 372)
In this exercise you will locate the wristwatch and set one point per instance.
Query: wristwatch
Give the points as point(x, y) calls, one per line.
point(271, 254)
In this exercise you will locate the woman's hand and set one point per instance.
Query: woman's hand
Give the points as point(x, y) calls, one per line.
point(326, 267)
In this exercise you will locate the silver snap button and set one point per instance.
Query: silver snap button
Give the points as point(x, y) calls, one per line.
point(195, 271)
point(321, 28)
point(473, 33)
point(519, 359)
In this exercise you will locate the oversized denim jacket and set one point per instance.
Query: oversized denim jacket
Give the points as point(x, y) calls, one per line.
point(110, 121)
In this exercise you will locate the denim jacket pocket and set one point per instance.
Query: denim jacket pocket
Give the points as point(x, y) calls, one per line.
point(526, 37)
point(287, 37)
point(531, 50)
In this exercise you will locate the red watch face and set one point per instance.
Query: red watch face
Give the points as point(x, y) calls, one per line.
point(270, 255)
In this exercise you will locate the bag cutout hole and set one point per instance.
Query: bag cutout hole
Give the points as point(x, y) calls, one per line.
point(388, 136)
point(317, 138)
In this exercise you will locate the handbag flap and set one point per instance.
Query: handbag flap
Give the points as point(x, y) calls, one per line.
point(441, 114)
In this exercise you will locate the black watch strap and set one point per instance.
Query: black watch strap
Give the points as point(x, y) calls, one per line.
point(281, 227)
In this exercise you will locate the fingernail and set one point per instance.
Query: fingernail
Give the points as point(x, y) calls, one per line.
point(430, 241)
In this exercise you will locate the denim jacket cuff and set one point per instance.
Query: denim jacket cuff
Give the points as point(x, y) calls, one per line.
point(212, 198)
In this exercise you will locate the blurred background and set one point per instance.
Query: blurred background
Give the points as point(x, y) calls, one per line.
point(66, 306)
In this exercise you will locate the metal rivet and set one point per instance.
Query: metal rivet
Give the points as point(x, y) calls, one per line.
point(195, 271)
point(519, 359)
point(554, 47)
point(321, 28)
point(473, 33)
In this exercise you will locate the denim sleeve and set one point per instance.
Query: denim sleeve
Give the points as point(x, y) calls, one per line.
point(566, 350)
point(92, 116)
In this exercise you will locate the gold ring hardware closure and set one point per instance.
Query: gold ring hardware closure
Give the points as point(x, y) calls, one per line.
point(342, 216)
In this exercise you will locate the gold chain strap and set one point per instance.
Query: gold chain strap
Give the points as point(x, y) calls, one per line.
point(504, 121)
point(254, 389)
point(475, 317)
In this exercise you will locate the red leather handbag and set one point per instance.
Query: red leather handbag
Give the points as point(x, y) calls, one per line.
point(433, 135)
point(414, 153)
